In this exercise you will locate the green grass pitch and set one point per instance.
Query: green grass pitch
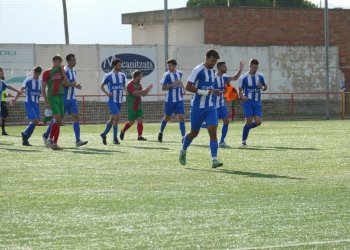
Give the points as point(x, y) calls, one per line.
point(290, 188)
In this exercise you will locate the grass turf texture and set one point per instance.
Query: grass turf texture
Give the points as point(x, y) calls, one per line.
point(290, 188)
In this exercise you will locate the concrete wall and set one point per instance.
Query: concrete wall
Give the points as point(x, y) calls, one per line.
point(286, 69)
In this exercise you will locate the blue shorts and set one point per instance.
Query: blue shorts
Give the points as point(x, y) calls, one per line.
point(222, 112)
point(71, 107)
point(207, 115)
point(174, 107)
point(114, 107)
point(32, 110)
point(252, 108)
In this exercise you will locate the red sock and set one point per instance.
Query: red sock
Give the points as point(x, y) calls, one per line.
point(139, 128)
point(126, 127)
point(53, 130)
point(55, 138)
point(233, 114)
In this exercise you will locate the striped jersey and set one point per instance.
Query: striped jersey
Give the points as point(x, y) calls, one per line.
point(202, 78)
point(69, 91)
point(32, 89)
point(220, 84)
point(115, 82)
point(174, 94)
point(248, 84)
point(3, 87)
point(54, 79)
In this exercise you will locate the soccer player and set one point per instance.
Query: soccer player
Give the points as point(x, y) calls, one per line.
point(220, 80)
point(70, 102)
point(231, 96)
point(250, 85)
point(32, 88)
point(115, 82)
point(174, 102)
point(134, 103)
point(201, 84)
point(4, 111)
point(55, 80)
point(3, 87)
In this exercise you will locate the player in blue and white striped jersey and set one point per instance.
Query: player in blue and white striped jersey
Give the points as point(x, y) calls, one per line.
point(115, 82)
point(201, 84)
point(174, 100)
point(250, 86)
point(32, 89)
point(220, 80)
point(70, 102)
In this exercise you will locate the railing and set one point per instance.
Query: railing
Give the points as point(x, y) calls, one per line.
point(276, 106)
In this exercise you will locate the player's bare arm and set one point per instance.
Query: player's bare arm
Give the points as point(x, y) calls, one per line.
point(19, 93)
point(193, 89)
point(238, 74)
point(104, 91)
point(240, 94)
point(146, 90)
point(171, 85)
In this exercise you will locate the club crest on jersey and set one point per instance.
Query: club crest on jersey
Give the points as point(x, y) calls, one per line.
point(130, 62)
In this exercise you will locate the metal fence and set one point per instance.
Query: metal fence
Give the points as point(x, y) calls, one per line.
point(276, 106)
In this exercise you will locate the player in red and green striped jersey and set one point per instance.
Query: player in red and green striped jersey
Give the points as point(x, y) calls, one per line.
point(55, 79)
point(134, 104)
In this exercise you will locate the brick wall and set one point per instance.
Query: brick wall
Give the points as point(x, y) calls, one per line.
point(277, 26)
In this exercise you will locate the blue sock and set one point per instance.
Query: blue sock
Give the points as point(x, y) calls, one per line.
point(107, 129)
point(162, 125)
point(115, 132)
point(224, 132)
point(76, 127)
point(245, 132)
point(253, 125)
point(182, 128)
point(47, 133)
point(214, 149)
point(187, 142)
point(29, 130)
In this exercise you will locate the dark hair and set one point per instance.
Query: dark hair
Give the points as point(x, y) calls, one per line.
point(38, 69)
point(116, 61)
point(171, 61)
point(136, 73)
point(2, 78)
point(56, 58)
point(212, 53)
point(219, 64)
point(253, 62)
point(69, 57)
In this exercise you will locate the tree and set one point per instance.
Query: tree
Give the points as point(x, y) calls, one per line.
point(252, 3)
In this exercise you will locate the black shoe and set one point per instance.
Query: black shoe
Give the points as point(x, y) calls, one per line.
point(26, 143)
point(140, 138)
point(24, 137)
point(116, 141)
point(4, 133)
point(104, 139)
point(160, 137)
point(121, 135)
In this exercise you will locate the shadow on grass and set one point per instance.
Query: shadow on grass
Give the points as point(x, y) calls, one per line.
point(21, 150)
point(154, 148)
point(276, 148)
point(248, 174)
point(95, 151)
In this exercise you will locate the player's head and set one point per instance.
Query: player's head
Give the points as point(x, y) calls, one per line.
point(57, 60)
point(171, 63)
point(253, 66)
point(117, 64)
point(221, 66)
point(37, 72)
point(71, 60)
point(2, 74)
point(211, 58)
point(137, 76)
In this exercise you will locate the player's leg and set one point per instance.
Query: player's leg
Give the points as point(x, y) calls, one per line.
point(34, 116)
point(223, 115)
point(113, 111)
point(140, 126)
point(248, 113)
point(168, 110)
point(73, 110)
point(257, 115)
point(233, 110)
point(197, 118)
point(4, 115)
point(115, 129)
point(180, 111)
point(212, 124)
point(127, 125)
point(57, 107)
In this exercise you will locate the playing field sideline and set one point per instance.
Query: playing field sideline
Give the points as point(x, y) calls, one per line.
point(290, 187)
